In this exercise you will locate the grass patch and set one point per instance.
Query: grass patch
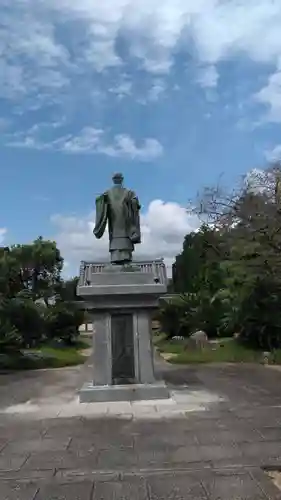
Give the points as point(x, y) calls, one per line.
point(158, 338)
point(78, 345)
point(45, 356)
point(229, 351)
point(59, 357)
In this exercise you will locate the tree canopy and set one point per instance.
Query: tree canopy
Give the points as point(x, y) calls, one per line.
point(229, 271)
point(36, 304)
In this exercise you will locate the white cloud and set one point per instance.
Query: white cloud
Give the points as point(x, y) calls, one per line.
point(124, 145)
point(3, 232)
point(122, 89)
point(27, 142)
point(270, 95)
point(163, 227)
point(32, 58)
point(157, 89)
point(101, 54)
point(30, 41)
point(157, 29)
point(274, 154)
point(92, 141)
point(208, 77)
point(88, 140)
point(11, 80)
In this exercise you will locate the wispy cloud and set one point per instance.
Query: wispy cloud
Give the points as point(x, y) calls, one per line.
point(88, 141)
point(122, 89)
point(157, 90)
point(208, 77)
point(270, 96)
point(3, 232)
point(92, 141)
point(274, 154)
point(124, 145)
point(156, 31)
point(50, 49)
point(32, 56)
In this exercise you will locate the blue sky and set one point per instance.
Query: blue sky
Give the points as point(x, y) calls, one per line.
point(172, 93)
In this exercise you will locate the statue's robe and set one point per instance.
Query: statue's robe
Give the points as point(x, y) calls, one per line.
point(119, 207)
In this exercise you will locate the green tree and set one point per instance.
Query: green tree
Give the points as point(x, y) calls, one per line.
point(40, 265)
point(198, 265)
point(66, 290)
point(249, 219)
point(198, 276)
point(63, 321)
point(10, 339)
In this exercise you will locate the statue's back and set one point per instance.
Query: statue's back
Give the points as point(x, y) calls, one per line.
point(117, 212)
point(119, 207)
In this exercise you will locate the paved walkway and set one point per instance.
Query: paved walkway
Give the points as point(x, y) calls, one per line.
point(210, 441)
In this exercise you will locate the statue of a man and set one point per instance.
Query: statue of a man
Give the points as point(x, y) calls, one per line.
point(119, 207)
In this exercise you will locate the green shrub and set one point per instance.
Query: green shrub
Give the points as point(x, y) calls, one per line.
point(10, 340)
point(63, 321)
point(186, 313)
point(26, 316)
point(260, 316)
point(172, 316)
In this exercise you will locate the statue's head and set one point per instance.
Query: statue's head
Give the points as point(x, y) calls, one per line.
point(118, 179)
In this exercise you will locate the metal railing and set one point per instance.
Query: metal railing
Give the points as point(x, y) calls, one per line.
point(157, 267)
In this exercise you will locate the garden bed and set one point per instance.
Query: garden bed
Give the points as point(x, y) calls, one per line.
point(224, 351)
point(45, 356)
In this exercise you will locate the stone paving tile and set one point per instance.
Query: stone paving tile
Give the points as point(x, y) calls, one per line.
point(167, 440)
point(263, 451)
point(63, 460)
point(228, 436)
point(18, 490)
point(135, 489)
point(198, 424)
point(266, 484)
point(36, 445)
point(260, 413)
point(88, 474)
point(114, 436)
point(12, 461)
point(206, 453)
point(100, 409)
point(65, 428)
point(16, 429)
point(121, 459)
point(99, 443)
point(116, 407)
point(24, 475)
point(232, 486)
point(174, 487)
point(223, 446)
point(270, 433)
point(3, 443)
point(74, 491)
point(143, 409)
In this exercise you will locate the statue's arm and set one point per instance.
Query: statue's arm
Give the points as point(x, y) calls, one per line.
point(101, 216)
point(135, 222)
point(135, 200)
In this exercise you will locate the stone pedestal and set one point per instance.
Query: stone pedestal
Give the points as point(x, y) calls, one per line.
point(121, 301)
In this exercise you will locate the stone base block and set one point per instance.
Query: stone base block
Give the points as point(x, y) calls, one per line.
point(131, 392)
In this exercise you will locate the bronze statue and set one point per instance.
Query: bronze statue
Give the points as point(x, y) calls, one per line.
point(119, 207)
